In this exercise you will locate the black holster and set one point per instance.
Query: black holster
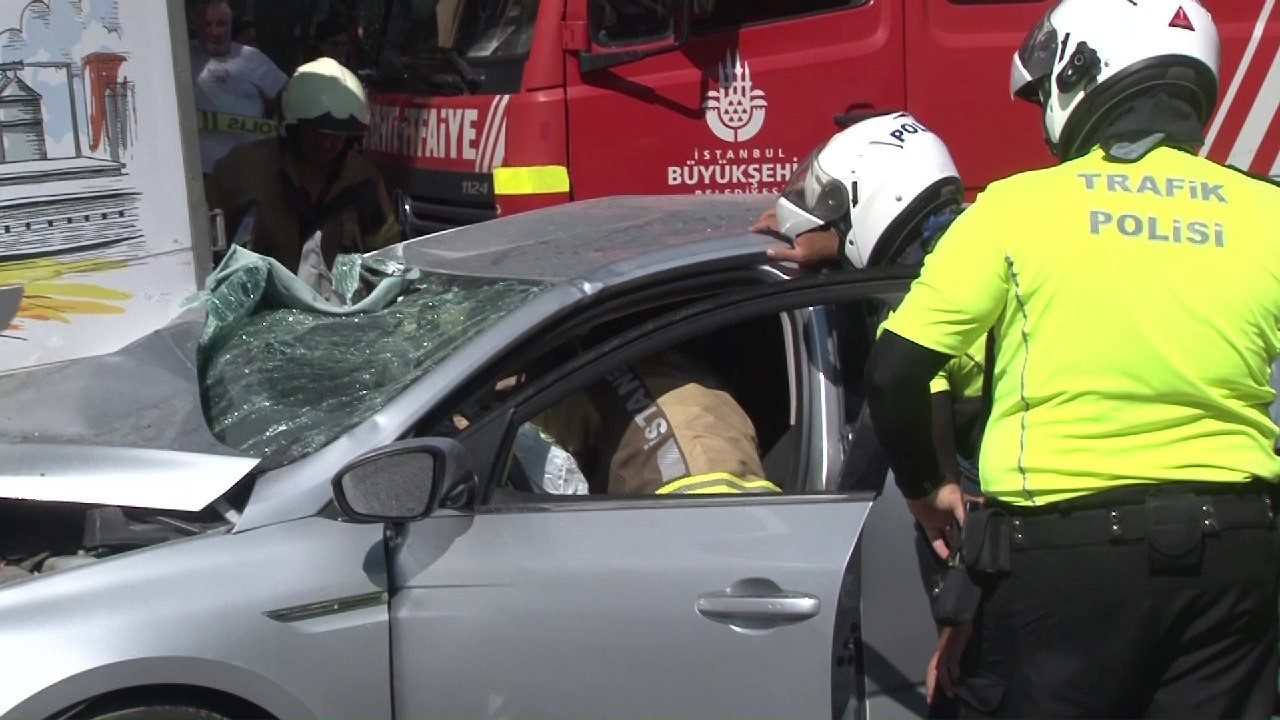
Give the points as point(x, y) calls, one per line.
point(982, 556)
point(1175, 533)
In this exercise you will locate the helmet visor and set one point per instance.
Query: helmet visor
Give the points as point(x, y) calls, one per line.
point(815, 192)
point(1034, 61)
point(327, 123)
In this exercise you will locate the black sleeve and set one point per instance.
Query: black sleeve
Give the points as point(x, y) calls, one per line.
point(897, 378)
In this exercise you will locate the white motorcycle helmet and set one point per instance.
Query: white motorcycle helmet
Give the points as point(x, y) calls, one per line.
point(326, 95)
point(875, 183)
point(1086, 59)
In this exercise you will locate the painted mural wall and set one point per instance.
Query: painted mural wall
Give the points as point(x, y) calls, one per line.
point(95, 226)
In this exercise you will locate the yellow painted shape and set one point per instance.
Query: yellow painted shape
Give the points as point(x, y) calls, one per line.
point(79, 290)
point(47, 298)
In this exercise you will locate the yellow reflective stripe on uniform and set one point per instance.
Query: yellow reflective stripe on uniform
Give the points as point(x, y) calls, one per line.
point(211, 121)
point(716, 483)
point(531, 180)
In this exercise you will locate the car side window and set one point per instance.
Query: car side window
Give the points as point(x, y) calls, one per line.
point(717, 15)
point(630, 22)
point(713, 415)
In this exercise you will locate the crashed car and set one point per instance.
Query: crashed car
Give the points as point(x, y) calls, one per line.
point(309, 514)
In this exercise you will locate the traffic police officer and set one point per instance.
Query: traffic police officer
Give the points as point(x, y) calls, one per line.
point(1127, 553)
point(880, 192)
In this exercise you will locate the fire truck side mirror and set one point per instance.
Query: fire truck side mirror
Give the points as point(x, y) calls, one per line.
point(599, 57)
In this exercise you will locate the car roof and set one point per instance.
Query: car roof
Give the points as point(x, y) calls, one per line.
point(580, 240)
point(143, 401)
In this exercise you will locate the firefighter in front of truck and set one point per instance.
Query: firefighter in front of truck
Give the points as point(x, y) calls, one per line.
point(280, 192)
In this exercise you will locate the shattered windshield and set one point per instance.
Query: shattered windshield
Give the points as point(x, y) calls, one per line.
point(417, 30)
point(282, 383)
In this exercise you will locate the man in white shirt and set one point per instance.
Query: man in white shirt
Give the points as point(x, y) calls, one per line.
point(234, 84)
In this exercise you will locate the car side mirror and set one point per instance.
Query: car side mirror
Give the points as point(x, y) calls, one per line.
point(402, 482)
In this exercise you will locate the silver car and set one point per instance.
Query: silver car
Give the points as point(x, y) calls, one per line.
point(333, 518)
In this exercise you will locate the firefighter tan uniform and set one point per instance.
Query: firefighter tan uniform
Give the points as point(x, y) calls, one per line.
point(355, 215)
point(663, 425)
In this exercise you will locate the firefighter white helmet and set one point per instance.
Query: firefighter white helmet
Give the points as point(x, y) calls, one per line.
point(1086, 60)
point(327, 95)
point(874, 183)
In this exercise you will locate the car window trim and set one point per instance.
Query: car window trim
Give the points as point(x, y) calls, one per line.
point(604, 503)
point(707, 28)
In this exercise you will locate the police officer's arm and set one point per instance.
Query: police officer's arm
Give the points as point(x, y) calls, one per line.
point(810, 248)
point(961, 291)
point(944, 435)
point(898, 374)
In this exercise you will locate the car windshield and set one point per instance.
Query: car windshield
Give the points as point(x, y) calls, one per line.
point(285, 382)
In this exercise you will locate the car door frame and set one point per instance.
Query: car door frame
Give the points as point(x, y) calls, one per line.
point(623, 99)
point(791, 296)
point(489, 441)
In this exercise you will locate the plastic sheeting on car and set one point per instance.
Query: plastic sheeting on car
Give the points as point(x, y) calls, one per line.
point(284, 372)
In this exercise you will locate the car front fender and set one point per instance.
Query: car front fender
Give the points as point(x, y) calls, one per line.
point(290, 617)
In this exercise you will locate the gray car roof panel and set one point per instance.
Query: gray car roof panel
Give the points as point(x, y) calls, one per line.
point(584, 239)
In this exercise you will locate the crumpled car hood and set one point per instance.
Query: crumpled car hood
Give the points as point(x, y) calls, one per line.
point(119, 429)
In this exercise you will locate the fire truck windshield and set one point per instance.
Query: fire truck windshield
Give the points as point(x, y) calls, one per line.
point(422, 32)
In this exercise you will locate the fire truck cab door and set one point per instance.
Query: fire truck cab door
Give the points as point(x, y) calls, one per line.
point(753, 89)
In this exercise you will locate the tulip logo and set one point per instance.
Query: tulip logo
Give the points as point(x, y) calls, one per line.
point(735, 110)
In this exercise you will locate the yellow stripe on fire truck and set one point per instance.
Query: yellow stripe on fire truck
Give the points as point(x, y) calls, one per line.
point(531, 180)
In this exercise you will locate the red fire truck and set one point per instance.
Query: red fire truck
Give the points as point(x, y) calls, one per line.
point(491, 107)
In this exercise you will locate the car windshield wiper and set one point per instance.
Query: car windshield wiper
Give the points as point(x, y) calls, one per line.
point(383, 80)
point(471, 77)
point(417, 76)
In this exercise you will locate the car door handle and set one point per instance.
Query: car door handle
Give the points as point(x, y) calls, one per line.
point(771, 609)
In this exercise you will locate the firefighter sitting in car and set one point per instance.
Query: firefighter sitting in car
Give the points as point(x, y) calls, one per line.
point(664, 425)
point(308, 181)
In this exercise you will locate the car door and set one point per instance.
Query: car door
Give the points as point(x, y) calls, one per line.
point(751, 92)
point(530, 605)
point(957, 57)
